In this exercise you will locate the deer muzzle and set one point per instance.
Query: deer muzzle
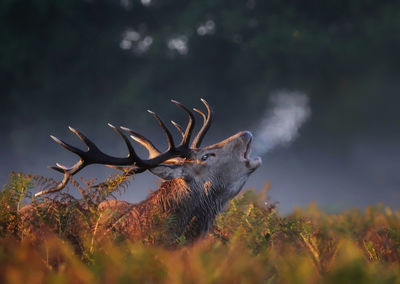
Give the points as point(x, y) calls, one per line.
point(252, 162)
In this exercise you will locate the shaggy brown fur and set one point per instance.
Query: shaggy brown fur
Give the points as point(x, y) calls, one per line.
point(167, 213)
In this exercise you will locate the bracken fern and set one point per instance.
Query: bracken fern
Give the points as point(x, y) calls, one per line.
point(251, 242)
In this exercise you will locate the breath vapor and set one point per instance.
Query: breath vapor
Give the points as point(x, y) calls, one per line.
point(286, 112)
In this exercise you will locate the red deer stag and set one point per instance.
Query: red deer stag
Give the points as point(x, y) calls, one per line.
point(197, 182)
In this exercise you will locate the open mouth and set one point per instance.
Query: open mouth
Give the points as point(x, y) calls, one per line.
point(248, 149)
point(252, 163)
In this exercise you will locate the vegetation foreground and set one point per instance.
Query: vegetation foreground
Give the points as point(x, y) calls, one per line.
point(250, 243)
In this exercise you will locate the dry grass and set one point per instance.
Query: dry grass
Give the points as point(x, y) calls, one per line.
point(250, 243)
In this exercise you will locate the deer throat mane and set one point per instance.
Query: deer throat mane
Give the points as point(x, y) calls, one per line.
point(177, 194)
point(171, 194)
point(195, 205)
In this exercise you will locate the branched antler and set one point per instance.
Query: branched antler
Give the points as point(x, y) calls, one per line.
point(95, 156)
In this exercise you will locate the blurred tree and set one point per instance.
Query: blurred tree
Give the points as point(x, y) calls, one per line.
point(99, 60)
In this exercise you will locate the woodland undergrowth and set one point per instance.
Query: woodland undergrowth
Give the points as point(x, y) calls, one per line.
point(250, 242)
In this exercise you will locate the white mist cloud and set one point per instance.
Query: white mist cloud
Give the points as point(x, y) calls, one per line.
point(286, 112)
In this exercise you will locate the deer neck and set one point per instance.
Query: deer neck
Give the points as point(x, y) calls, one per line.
point(194, 206)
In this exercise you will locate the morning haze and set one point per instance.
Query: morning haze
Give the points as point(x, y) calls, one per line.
point(86, 63)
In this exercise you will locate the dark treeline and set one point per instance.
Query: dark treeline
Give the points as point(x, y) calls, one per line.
point(105, 60)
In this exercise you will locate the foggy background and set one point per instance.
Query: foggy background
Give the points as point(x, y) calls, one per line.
point(86, 63)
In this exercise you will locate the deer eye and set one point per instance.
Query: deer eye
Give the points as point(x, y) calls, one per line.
point(206, 156)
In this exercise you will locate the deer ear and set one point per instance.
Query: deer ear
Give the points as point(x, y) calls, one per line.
point(167, 172)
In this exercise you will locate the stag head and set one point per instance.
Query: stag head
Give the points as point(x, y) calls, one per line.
point(226, 164)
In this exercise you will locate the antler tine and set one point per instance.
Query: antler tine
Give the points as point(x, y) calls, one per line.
point(132, 154)
point(83, 138)
point(56, 168)
point(68, 172)
point(178, 127)
point(201, 113)
point(58, 187)
point(171, 144)
point(153, 151)
point(94, 155)
point(206, 125)
point(190, 126)
point(67, 146)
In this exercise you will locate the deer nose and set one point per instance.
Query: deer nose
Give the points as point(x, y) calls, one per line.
point(246, 135)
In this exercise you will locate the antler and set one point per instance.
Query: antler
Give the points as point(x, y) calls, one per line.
point(95, 156)
point(183, 146)
point(206, 125)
